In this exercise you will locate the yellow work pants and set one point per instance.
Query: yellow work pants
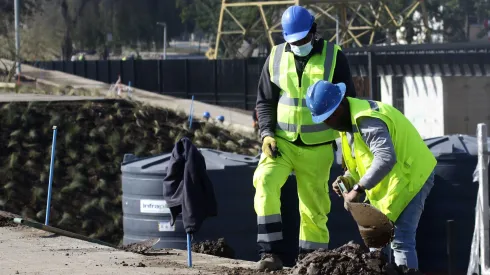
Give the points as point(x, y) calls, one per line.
point(311, 165)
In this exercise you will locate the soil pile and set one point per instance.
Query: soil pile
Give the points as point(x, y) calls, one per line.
point(140, 247)
point(216, 248)
point(92, 139)
point(349, 259)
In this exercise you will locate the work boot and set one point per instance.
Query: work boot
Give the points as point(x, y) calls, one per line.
point(269, 262)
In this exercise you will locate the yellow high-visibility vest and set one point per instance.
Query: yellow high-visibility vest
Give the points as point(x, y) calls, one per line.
point(415, 161)
point(293, 116)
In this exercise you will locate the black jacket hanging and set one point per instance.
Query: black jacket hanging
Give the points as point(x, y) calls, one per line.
point(187, 188)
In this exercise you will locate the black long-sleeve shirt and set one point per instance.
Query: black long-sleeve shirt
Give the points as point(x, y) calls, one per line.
point(268, 92)
point(187, 188)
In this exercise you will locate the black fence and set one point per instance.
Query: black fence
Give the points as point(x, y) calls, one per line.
point(230, 83)
point(233, 83)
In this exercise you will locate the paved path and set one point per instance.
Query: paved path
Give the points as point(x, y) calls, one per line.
point(25, 250)
point(8, 97)
point(238, 119)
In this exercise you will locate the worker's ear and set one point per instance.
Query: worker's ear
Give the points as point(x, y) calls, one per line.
point(343, 108)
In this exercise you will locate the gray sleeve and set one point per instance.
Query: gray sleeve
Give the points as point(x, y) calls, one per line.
point(377, 136)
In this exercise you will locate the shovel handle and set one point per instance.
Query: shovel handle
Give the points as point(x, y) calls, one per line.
point(342, 187)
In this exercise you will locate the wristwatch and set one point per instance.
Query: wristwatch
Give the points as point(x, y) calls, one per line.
point(358, 188)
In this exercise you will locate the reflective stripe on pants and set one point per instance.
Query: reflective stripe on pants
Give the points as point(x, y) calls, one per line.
point(311, 165)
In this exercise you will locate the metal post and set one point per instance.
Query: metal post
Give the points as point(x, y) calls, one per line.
point(482, 134)
point(370, 75)
point(164, 41)
point(17, 36)
point(51, 168)
point(164, 38)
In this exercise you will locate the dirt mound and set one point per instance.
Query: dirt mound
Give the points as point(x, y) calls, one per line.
point(140, 247)
point(346, 260)
point(246, 271)
point(216, 248)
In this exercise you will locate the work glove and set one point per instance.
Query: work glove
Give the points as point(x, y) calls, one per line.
point(349, 182)
point(269, 147)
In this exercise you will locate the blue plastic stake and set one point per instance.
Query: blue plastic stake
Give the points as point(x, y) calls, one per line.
point(51, 168)
point(189, 250)
point(191, 112)
point(129, 89)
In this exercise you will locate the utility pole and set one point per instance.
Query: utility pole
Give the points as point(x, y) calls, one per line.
point(164, 38)
point(17, 37)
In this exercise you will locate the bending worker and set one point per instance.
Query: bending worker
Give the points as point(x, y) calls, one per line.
point(291, 140)
point(385, 156)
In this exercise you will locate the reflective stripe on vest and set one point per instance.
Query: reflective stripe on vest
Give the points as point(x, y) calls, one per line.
point(293, 116)
point(415, 162)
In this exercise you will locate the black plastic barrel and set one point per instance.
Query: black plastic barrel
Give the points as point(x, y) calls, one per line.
point(453, 197)
point(145, 214)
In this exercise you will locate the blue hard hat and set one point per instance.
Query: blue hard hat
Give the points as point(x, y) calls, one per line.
point(296, 23)
point(206, 115)
point(220, 118)
point(323, 98)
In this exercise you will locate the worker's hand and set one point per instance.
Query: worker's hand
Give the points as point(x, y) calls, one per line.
point(348, 183)
point(269, 145)
point(352, 196)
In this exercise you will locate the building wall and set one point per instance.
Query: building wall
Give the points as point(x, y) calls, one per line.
point(386, 86)
point(424, 104)
point(467, 103)
point(440, 105)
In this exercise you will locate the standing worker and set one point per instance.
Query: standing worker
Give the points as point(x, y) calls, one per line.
point(386, 158)
point(291, 141)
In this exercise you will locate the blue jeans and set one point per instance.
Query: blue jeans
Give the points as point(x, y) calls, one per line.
point(403, 244)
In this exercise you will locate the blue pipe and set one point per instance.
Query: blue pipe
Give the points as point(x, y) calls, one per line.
point(130, 91)
point(189, 250)
point(51, 168)
point(191, 112)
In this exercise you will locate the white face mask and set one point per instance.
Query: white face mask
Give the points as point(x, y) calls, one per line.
point(302, 50)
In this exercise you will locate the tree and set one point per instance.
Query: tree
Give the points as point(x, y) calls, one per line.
point(203, 15)
point(200, 14)
point(456, 14)
point(71, 10)
point(27, 7)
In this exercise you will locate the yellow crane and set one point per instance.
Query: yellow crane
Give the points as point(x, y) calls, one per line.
point(355, 19)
